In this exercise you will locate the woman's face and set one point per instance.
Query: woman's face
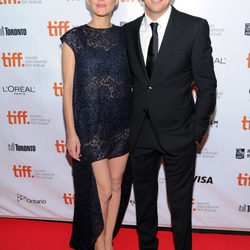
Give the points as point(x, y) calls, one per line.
point(102, 8)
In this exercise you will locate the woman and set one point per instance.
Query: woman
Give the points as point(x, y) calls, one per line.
point(96, 104)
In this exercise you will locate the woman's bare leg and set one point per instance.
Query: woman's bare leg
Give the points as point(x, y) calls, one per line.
point(116, 166)
point(103, 181)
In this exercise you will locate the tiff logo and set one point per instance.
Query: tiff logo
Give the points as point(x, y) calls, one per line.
point(10, 1)
point(245, 123)
point(243, 180)
point(58, 28)
point(69, 199)
point(12, 60)
point(244, 208)
point(18, 117)
point(60, 146)
point(58, 89)
point(22, 171)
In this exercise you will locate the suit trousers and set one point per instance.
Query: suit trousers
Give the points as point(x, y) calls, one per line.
point(179, 170)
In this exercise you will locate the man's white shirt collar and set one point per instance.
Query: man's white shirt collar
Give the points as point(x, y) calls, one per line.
point(162, 21)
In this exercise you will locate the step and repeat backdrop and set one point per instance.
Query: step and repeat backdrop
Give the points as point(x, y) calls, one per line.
point(35, 174)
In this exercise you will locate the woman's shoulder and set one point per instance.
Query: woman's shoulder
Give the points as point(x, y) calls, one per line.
point(71, 37)
point(75, 30)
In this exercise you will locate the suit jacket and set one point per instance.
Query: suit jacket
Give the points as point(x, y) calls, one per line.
point(184, 57)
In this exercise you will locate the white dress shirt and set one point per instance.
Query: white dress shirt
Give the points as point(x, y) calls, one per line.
point(146, 31)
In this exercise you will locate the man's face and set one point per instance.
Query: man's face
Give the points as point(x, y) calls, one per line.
point(155, 8)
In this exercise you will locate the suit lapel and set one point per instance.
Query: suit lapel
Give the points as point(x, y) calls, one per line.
point(172, 32)
point(138, 56)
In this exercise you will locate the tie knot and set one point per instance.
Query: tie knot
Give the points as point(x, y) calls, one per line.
point(154, 27)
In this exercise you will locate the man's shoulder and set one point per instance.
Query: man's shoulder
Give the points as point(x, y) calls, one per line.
point(133, 23)
point(187, 18)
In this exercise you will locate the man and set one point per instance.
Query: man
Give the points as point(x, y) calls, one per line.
point(166, 57)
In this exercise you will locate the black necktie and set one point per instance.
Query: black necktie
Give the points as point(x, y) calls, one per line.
point(152, 49)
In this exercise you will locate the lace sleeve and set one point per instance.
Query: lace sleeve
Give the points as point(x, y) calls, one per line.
point(70, 37)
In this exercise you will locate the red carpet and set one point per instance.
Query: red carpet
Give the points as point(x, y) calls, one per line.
point(18, 234)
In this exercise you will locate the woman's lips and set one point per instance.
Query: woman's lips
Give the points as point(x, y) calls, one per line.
point(100, 5)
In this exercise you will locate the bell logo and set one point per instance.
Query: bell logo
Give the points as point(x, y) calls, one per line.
point(58, 28)
point(69, 199)
point(58, 88)
point(18, 117)
point(60, 146)
point(10, 1)
point(243, 180)
point(12, 60)
point(22, 171)
point(248, 60)
point(245, 123)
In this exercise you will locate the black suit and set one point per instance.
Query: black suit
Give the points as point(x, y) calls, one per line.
point(166, 122)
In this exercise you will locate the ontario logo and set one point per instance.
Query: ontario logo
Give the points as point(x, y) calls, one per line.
point(23, 198)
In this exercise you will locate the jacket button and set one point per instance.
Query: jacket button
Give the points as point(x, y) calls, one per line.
point(150, 88)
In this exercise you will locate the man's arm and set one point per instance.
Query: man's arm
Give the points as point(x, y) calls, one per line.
point(204, 78)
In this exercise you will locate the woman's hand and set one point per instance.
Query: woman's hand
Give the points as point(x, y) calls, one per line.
point(73, 146)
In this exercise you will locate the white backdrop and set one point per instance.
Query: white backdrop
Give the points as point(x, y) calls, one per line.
point(35, 176)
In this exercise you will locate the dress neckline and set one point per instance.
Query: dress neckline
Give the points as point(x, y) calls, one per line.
point(101, 29)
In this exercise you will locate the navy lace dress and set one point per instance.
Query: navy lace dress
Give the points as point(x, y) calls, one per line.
point(101, 92)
